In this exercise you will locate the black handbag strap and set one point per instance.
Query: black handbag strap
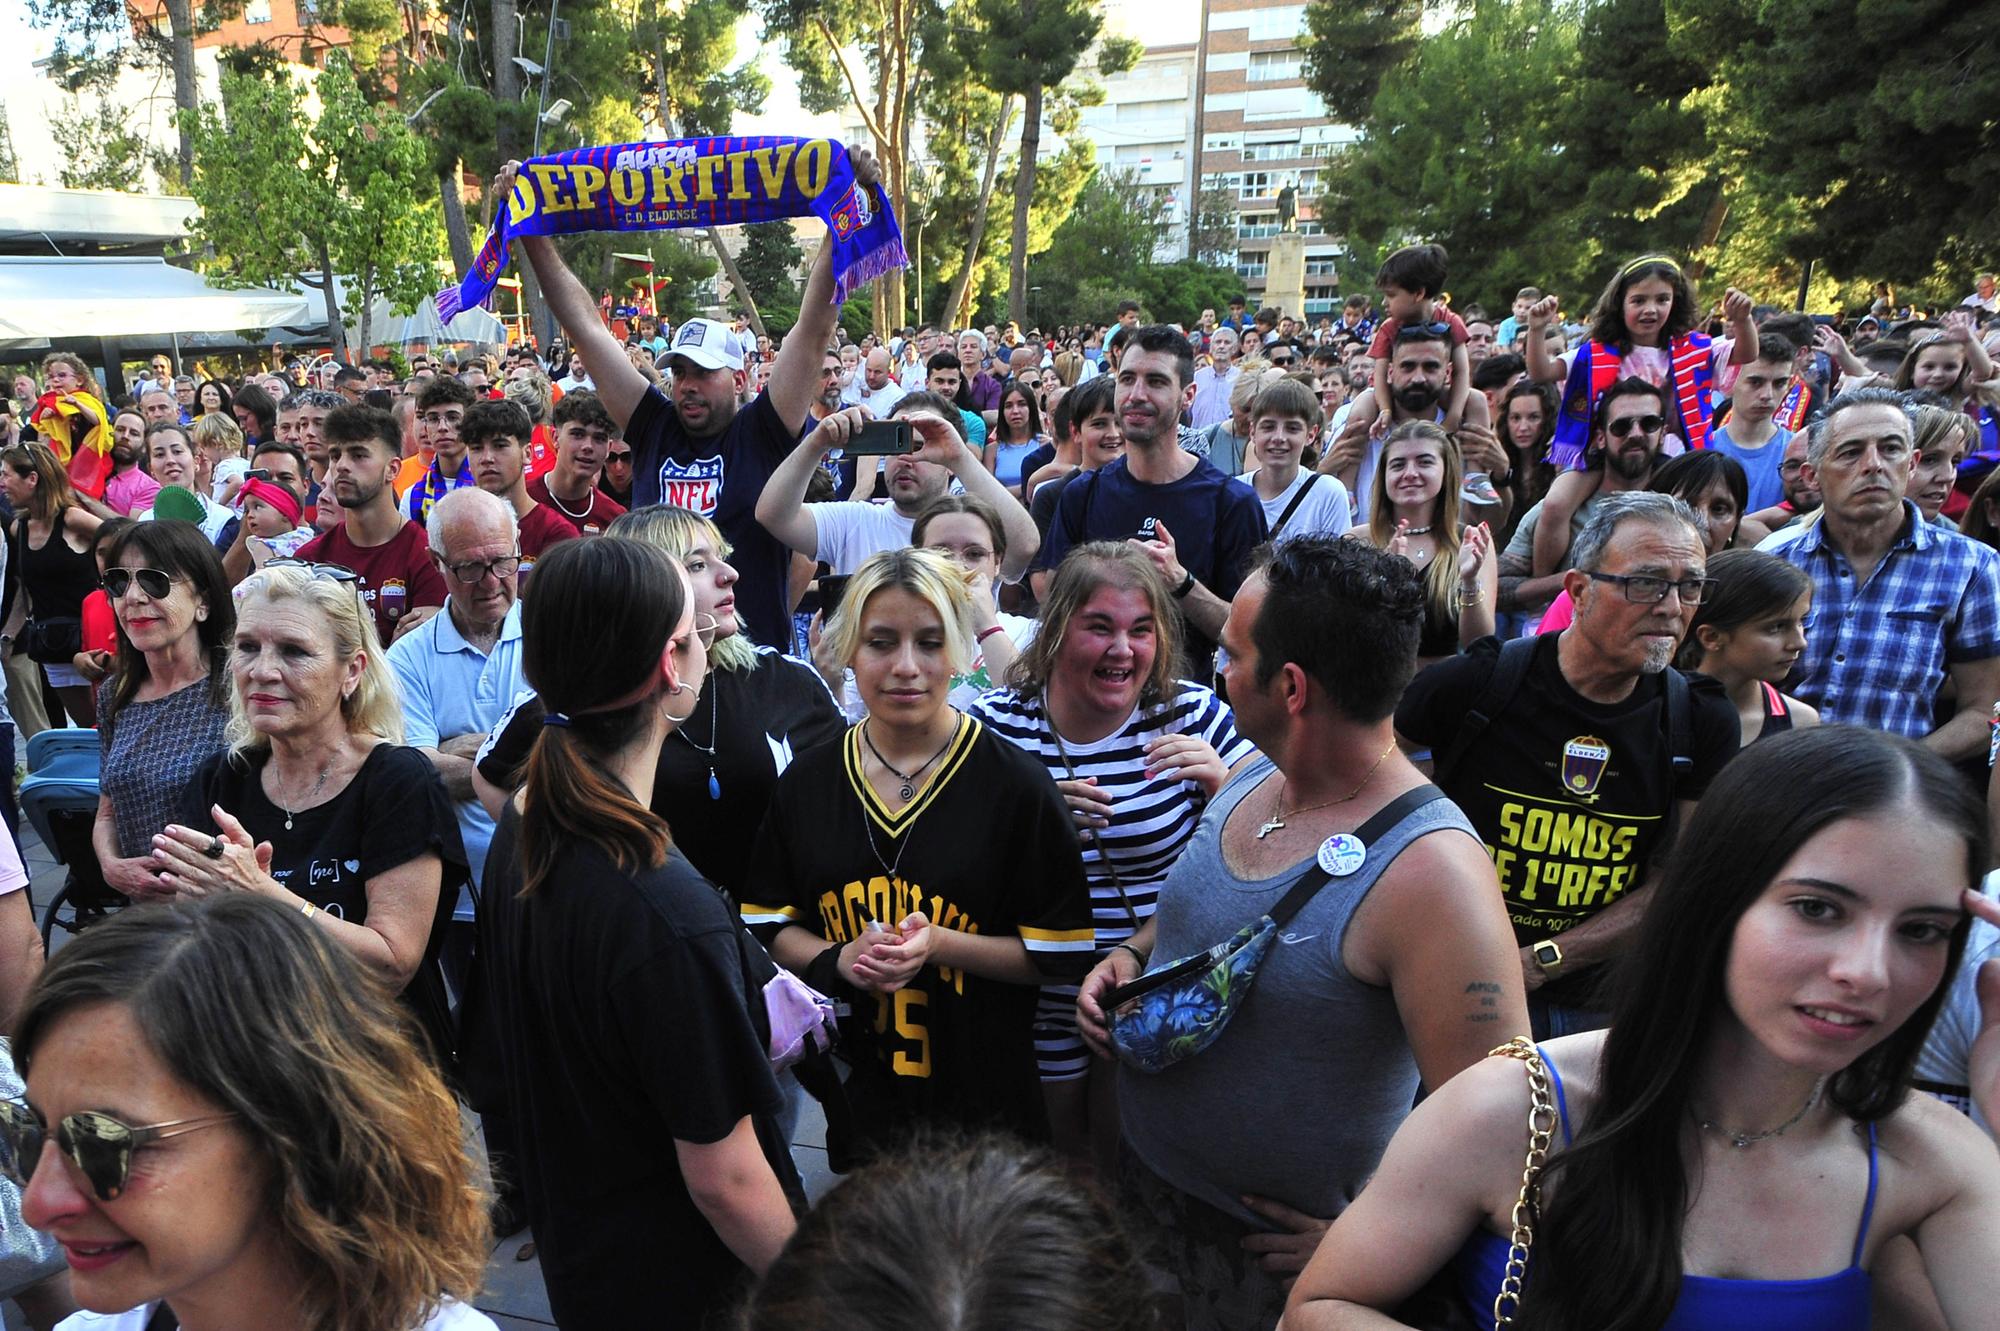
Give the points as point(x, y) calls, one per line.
point(1312, 479)
point(1313, 879)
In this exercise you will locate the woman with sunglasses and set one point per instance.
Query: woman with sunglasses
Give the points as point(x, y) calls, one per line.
point(163, 710)
point(757, 709)
point(923, 870)
point(226, 1126)
point(612, 1007)
point(1741, 1148)
point(51, 558)
point(1137, 753)
point(317, 803)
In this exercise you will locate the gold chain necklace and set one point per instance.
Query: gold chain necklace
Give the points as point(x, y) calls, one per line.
point(1279, 815)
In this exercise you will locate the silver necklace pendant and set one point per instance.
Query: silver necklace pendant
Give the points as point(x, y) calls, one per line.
point(906, 792)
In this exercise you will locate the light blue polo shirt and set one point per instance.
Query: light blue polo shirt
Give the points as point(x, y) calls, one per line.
point(452, 688)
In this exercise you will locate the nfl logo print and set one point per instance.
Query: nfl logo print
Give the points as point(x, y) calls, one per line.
point(1583, 763)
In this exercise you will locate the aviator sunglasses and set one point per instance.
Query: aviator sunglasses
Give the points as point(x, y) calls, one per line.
point(97, 1144)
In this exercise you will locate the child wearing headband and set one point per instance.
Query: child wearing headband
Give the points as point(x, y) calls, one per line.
point(273, 520)
point(1643, 327)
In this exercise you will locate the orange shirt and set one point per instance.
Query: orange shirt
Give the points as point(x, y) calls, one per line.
point(414, 467)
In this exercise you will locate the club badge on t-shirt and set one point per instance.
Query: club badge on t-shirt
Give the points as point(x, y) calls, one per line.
point(393, 598)
point(696, 485)
point(1583, 764)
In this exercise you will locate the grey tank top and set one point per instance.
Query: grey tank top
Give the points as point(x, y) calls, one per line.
point(1298, 1097)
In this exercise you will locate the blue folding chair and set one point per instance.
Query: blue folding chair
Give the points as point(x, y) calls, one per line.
point(59, 800)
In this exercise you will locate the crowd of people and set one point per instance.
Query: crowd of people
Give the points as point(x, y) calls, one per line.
point(1136, 797)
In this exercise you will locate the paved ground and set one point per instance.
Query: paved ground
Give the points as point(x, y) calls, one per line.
point(513, 1296)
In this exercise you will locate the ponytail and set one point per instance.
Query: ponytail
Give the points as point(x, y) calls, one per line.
point(569, 795)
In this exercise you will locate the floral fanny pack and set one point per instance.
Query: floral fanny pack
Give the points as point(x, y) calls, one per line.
point(1175, 1012)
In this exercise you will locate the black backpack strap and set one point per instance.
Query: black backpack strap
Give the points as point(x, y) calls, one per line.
point(1680, 724)
point(1313, 879)
point(1312, 479)
point(1509, 671)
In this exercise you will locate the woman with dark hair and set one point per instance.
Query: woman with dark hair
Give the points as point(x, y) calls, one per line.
point(163, 711)
point(1137, 753)
point(1745, 1127)
point(1527, 423)
point(227, 1125)
point(953, 1237)
point(1016, 433)
point(1748, 632)
point(924, 870)
point(50, 555)
point(213, 398)
point(612, 999)
point(756, 709)
point(256, 411)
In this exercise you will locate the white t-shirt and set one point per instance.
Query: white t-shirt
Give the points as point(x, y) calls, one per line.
point(883, 400)
point(851, 530)
point(451, 1316)
point(226, 471)
point(1323, 512)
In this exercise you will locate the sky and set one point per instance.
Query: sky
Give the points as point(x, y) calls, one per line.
point(1158, 22)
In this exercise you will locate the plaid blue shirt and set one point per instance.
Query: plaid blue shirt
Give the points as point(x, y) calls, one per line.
point(1876, 655)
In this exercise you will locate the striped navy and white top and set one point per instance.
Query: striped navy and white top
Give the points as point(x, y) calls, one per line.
point(1151, 817)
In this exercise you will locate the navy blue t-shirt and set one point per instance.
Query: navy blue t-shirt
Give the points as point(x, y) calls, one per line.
point(720, 477)
point(1216, 522)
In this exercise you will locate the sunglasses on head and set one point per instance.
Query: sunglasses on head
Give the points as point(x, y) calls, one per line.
point(153, 582)
point(97, 1144)
point(1625, 425)
point(1426, 331)
point(324, 572)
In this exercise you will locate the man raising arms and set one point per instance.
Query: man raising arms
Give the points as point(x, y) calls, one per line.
point(699, 450)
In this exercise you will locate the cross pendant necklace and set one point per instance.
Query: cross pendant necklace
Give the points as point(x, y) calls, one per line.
point(1277, 820)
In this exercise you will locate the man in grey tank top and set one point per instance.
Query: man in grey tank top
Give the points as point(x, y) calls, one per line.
point(1400, 971)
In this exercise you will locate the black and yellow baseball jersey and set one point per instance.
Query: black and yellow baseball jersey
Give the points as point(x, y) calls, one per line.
point(987, 847)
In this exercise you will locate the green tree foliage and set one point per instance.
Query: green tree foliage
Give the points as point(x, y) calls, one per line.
point(1181, 290)
point(96, 39)
point(1351, 44)
point(770, 263)
point(1102, 253)
point(100, 149)
point(346, 194)
point(1467, 147)
point(1874, 120)
point(10, 164)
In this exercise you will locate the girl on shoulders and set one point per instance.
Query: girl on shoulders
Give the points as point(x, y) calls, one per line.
point(1643, 326)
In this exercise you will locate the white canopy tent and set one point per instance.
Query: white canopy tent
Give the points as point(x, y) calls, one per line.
point(45, 298)
point(387, 328)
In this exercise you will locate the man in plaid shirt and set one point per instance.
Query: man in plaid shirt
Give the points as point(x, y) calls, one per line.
point(1898, 605)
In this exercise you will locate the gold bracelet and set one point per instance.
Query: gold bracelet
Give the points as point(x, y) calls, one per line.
point(308, 909)
point(1465, 599)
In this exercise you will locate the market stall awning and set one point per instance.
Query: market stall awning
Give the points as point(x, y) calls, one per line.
point(49, 298)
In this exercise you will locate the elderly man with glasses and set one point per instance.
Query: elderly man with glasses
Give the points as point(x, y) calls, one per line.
point(1578, 754)
point(1899, 606)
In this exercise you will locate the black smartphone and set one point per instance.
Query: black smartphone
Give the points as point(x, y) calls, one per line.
point(881, 438)
point(831, 588)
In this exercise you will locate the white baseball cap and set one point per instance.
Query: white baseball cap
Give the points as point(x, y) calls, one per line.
point(709, 344)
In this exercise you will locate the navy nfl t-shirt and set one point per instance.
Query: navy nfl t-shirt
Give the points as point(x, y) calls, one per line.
point(720, 477)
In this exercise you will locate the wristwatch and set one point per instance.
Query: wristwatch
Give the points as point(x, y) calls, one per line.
point(1548, 954)
point(1187, 585)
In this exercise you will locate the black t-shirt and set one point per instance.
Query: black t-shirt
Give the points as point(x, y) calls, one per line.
point(757, 721)
point(616, 1010)
point(393, 811)
point(1042, 504)
point(720, 477)
point(1571, 796)
point(1216, 521)
point(987, 847)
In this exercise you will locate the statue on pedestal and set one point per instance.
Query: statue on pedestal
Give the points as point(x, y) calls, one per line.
point(1288, 207)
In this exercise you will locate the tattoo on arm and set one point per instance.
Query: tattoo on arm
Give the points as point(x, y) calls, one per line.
point(1489, 1001)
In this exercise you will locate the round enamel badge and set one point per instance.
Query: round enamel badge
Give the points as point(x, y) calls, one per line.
point(1342, 854)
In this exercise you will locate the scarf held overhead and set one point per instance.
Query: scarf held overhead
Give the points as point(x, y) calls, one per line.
point(692, 183)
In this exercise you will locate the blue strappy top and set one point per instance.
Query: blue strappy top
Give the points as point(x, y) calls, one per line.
point(1839, 1302)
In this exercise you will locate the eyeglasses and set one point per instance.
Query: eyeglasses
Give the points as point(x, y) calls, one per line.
point(97, 1144)
point(1791, 468)
point(475, 570)
point(1625, 425)
point(613, 459)
point(1644, 589)
point(153, 582)
point(706, 632)
point(323, 572)
point(1427, 331)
